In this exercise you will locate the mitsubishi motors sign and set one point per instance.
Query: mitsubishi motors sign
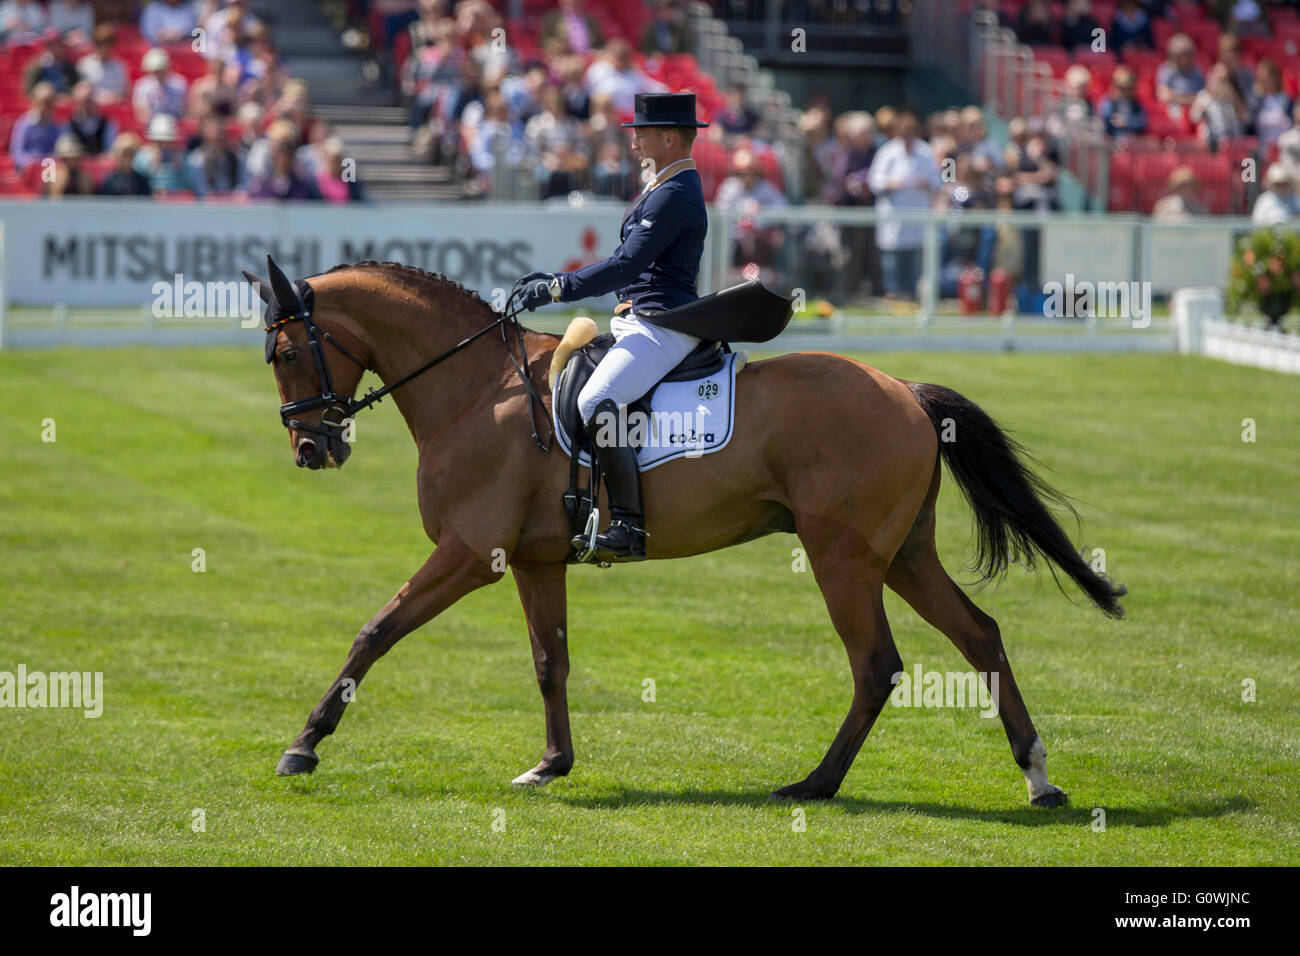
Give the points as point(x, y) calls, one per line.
point(112, 252)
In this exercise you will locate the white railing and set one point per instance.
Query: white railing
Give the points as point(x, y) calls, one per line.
point(61, 276)
point(1096, 248)
point(1242, 345)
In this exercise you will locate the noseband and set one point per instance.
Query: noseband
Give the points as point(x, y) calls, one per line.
point(349, 406)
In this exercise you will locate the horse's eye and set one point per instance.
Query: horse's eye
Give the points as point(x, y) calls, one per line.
point(288, 355)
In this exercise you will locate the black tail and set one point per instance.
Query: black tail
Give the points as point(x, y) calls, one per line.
point(1012, 521)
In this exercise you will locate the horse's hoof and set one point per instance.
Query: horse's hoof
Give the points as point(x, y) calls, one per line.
point(537, 777)
point(294, 762)
point(803, 790)
point(1050, 798)
point(553, 765)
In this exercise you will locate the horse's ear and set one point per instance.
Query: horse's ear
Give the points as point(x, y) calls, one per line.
point(261, 285)
point(284, 291)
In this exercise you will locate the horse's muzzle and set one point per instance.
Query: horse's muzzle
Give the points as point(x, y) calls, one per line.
point(331, 452)
point(308, 454)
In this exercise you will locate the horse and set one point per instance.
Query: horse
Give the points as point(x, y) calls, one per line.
point(828, 448)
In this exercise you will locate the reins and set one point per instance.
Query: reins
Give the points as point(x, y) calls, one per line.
point(350, 406)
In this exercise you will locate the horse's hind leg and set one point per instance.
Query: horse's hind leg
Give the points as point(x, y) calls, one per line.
point(917, 575)
point(851, 578)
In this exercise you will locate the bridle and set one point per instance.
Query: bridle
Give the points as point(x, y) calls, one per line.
point(328, 399)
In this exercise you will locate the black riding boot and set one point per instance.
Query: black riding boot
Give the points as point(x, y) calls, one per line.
point(625, 538)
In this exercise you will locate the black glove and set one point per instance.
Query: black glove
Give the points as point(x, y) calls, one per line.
point(537, 290)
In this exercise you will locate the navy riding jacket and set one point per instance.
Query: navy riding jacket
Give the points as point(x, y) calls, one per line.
point(659, 258)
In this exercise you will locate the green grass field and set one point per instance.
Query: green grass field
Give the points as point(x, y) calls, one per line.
point(208, 676)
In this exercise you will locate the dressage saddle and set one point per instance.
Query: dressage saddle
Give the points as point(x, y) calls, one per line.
point(705, 359)
point(748, 312)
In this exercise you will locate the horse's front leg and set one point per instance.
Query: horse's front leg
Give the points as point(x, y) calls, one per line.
point(450, 573)
point(542, 593)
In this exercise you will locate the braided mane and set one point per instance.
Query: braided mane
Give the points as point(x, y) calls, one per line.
point(422, 277)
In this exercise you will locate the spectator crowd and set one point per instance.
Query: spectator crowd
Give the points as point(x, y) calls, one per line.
point(127, 107)
point(187, 99)
point(1217, 77)
point(549, 102)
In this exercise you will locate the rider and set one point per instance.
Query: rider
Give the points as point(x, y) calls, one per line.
point(653, 269)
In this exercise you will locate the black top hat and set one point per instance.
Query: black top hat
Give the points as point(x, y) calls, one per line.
point(664, 109)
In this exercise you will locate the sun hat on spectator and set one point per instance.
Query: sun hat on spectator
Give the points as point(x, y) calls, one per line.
point(68, 146)
point(1277, 175)
point(162, 129)
point(154, 60)
point(742, 161)
point(251, 114)
point(1182, 176)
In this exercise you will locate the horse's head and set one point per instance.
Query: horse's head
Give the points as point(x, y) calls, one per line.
point(316, 375)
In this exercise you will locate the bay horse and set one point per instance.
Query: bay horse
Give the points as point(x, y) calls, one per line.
point(835, 451)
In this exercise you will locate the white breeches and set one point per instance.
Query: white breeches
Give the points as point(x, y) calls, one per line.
point(640, 357)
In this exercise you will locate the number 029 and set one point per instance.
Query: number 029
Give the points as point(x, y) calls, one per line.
point(708, 390)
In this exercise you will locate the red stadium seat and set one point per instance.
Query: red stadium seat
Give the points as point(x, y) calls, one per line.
point(1205, 34)
point(1239, 145)
point(771, 167)
point(1258, 48)
point(1151, 175)
point(1216, 177)
point(31, 178)
point(1102, 67)
point(401, 48)
point(713, 161)
point(1161, 125)
point(1289, 34)
point(1096, 61)
point(1143, 61)
point(1055, 57)
point(1162, 30)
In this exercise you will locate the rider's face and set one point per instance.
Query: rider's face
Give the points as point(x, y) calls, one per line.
point(648, 143)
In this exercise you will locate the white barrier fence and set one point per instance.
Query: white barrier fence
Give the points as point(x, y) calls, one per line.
point(1198, 317)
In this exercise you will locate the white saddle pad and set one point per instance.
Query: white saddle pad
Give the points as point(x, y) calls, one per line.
point(686, 420)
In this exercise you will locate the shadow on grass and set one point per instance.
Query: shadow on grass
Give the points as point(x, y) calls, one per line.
point(1021, 816)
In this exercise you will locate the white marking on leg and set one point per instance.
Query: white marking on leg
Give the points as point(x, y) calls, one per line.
point(533, 779)
point(1036, 772)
